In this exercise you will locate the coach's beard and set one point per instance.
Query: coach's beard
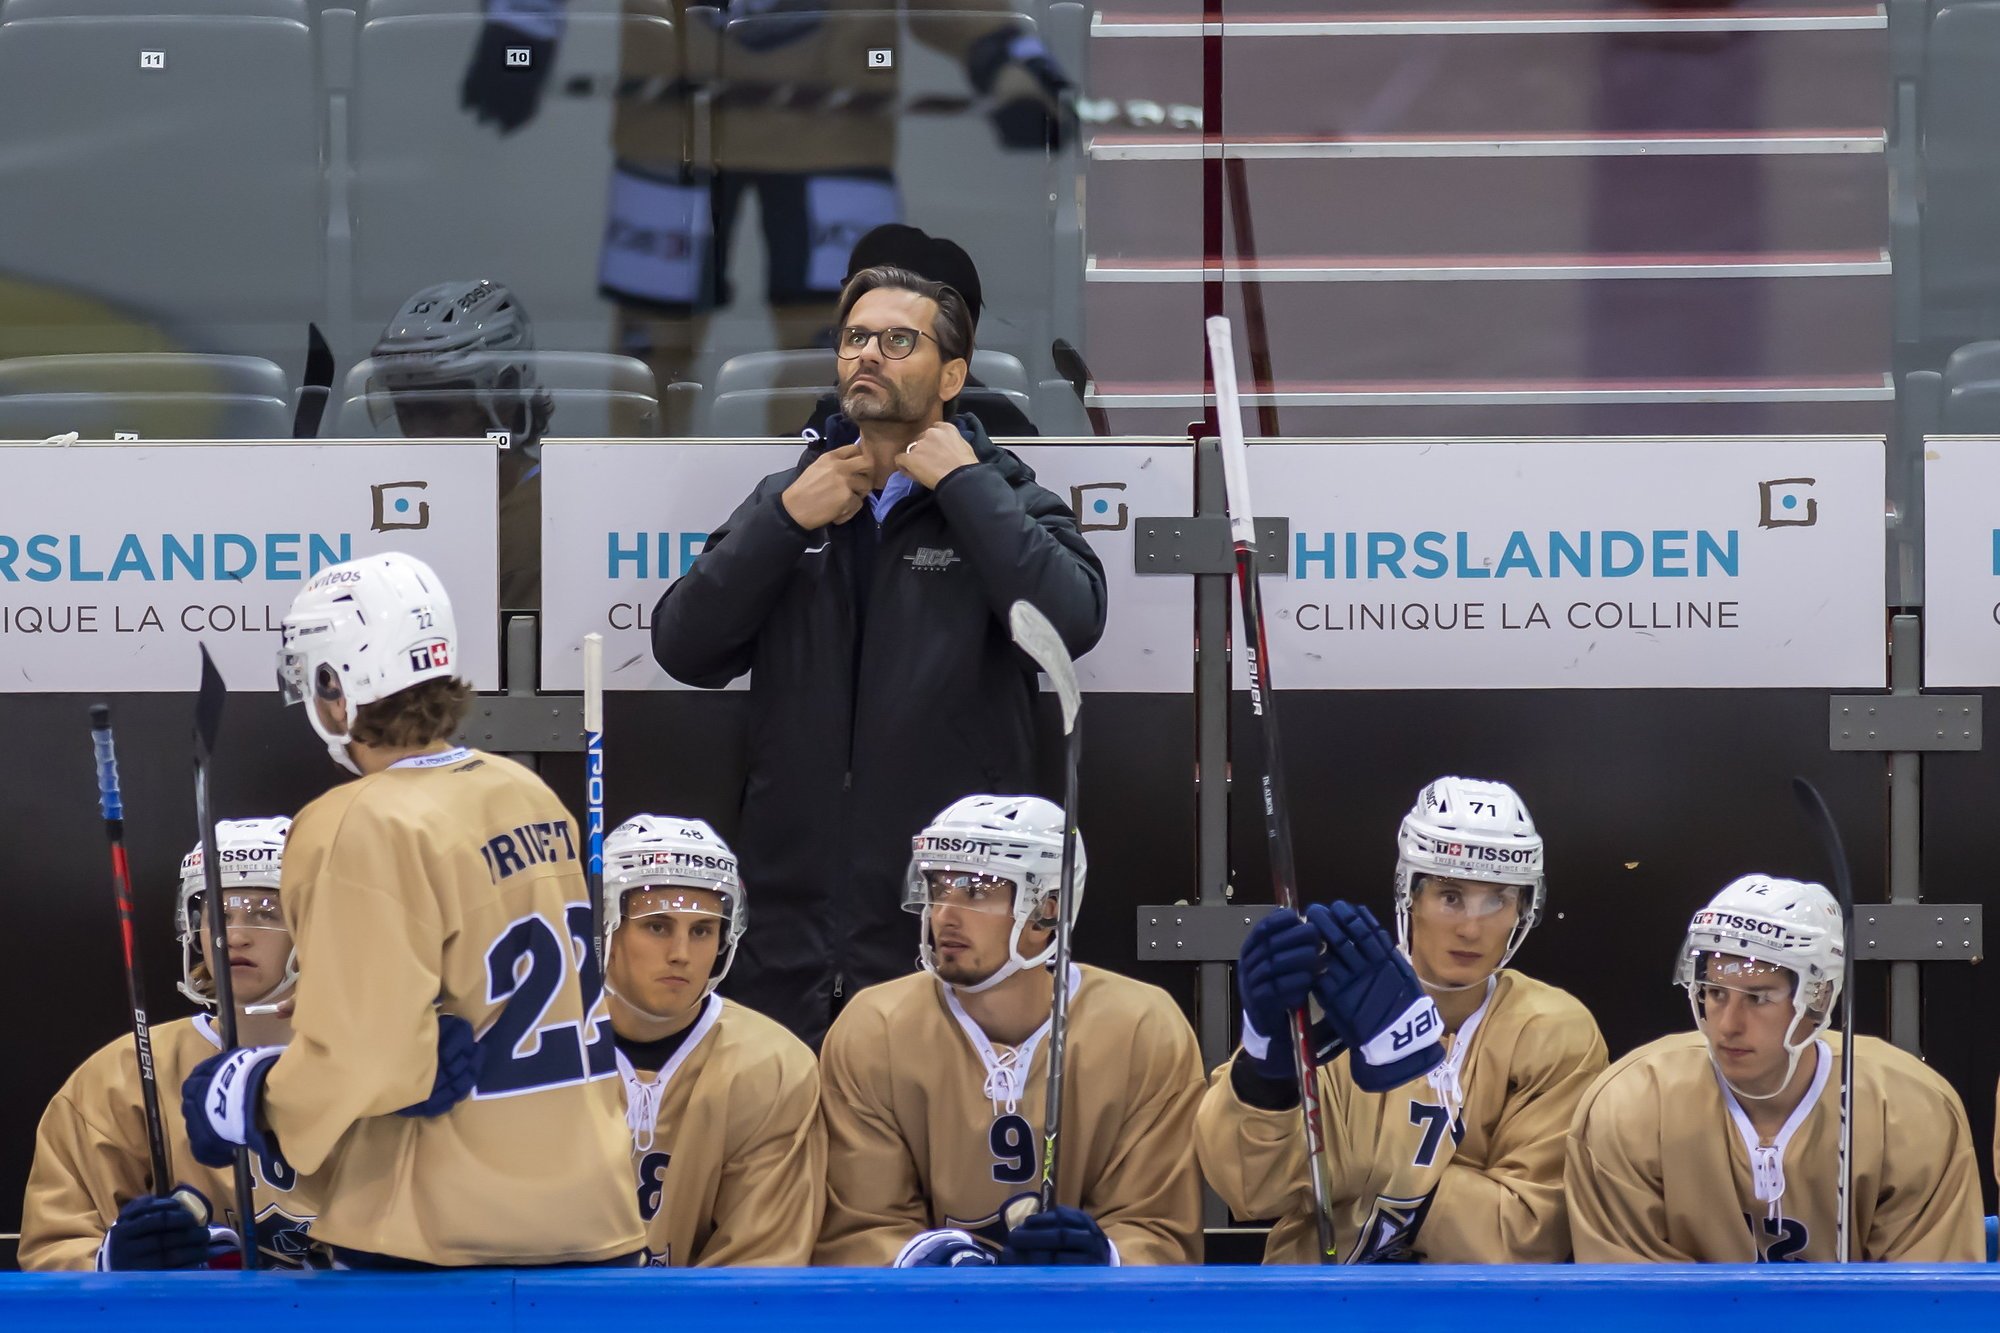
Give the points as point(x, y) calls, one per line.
point(885, 403)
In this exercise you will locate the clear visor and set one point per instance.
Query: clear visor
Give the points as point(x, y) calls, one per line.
point(291, 676)
point(242, 909)
point(680, 899)
point(1714, 978)
point(935, 884)
point(1438, 899)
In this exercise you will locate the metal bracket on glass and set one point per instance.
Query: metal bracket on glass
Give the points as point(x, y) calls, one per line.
point(1908, 723)
point(524, 724)
point(1202, 546)
point(1189, 934)
point(1918, 932)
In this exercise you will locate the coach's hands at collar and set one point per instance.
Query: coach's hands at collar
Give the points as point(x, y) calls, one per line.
point(831, 489)
point(935, 454)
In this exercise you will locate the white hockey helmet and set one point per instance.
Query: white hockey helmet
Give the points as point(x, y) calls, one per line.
point(648, 859)
point(1017, 838)
point(362, 631)
point(1465, 828)
point(251, 855)
point(459, 342)
point(1787, 923)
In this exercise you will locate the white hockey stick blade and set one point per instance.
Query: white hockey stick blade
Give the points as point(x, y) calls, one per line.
point(593, 683)
point(1229, 416)
point(1035, 636)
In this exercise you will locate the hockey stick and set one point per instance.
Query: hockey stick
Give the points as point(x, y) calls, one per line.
point(207, 722)
point(1035, 636)
point(1263, 707)
point(112, 804)
point(1821, 820)
point(1069, 364)
point(593, 788)
point(317, 388)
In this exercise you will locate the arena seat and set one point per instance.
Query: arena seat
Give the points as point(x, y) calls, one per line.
point(193, 191)
point(575, 414)
point(1960, 213)
point(144, 372)
point(435, 191)
point(150, 416)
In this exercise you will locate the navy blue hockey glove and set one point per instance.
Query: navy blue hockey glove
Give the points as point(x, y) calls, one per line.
point(1275, 972)
point(1036, 110)
point(498, 88)
point(1372, 997)
point(219, 1101)
point(157, 1233)
point(1062, 1236)
point(457, 1068)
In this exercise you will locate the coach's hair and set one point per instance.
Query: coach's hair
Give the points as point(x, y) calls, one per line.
point(953, 326)
point(421, 715)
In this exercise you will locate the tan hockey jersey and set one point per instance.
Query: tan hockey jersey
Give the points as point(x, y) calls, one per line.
point(1658, 1171)
point(1409, 1180)
point(920, 1133)
point(729, 1146)
point(455, 880)
point(92, 1158)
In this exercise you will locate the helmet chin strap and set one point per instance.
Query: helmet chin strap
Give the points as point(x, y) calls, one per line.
point(1520, 935)
point(1794, 1051)
point(1015, 963)
point(336, 742)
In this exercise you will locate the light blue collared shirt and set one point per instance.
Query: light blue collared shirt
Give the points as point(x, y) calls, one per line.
point(893, 490)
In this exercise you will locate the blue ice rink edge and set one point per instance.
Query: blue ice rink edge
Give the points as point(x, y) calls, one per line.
point(1939, 1299)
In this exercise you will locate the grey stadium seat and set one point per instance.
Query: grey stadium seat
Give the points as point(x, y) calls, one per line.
point(144, 372)
point(160, 416)
point(192, 192)
point(436, 193)
point(577, 414)
point(294, 10)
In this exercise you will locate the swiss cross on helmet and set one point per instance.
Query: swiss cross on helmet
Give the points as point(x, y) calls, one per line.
point(361, 631)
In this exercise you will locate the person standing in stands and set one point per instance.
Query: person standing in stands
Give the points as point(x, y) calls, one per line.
point(866, 589)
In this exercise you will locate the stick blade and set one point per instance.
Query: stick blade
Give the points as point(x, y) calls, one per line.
point(208, 705)
point(1820, 818)
point(1035, 636)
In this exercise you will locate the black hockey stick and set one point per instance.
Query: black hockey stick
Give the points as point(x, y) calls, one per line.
point(1263, 707)
point(1069, 364)
point(317, 389)
point(1821, 820)
point(112, 804)
point(1035, 636)
point(207, 722)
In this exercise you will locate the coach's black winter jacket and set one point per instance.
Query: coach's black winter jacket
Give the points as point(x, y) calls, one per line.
point(884, 686)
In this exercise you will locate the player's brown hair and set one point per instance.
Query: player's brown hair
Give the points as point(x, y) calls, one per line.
point(421, 715)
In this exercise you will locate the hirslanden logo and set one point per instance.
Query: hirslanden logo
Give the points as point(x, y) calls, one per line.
point(399, 507)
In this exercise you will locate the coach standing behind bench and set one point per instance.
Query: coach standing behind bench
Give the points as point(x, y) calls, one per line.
point(866, 591)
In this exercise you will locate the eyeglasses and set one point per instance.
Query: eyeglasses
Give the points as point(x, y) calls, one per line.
point(895, 343)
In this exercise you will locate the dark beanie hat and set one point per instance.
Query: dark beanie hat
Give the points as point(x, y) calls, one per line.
point(927, 256)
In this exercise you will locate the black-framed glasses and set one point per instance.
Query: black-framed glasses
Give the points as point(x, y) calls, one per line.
point(895, 343)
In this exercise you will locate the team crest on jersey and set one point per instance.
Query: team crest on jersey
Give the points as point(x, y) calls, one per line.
point(284, 1240)
point(1389, 1236)
point(933, 558)
point(990, 1230)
